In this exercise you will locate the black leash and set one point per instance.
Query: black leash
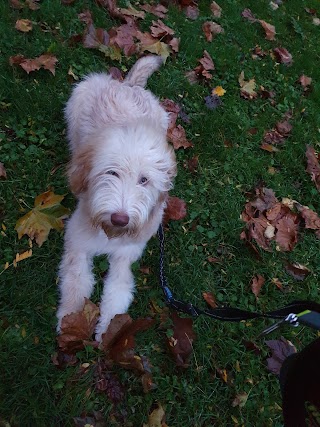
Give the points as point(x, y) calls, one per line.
point(306, 312)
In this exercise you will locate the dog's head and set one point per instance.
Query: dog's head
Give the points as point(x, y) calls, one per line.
point(124, 175)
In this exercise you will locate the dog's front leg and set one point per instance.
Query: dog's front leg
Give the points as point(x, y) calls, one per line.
point(118, 289)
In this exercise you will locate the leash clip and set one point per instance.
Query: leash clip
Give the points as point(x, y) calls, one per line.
point(292, 319)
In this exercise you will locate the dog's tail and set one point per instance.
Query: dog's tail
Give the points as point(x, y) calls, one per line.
point(142, 70)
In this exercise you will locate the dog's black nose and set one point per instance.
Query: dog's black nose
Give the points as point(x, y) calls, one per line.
point(119, 219)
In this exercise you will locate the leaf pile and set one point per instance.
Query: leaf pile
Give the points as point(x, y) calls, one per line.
point(269, 220)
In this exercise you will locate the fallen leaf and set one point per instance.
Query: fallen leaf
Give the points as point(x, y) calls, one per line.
point(158, 10)
point(33, 4)
point(305, 81)
point(24, 25)
point(240, 400)
point(311, 218)
point(46, 61)
point(95, 37)
point(96, 420)
point(297, 271)
point(213, 101)
point(159, 48)
point(123, 37)
point(159, 29)
point(210, 299)
point(284, 128)
point(77, 328)
point(180, 343)
point(269, 147)
point(210, 29)
point(316, 21)
point(283, 56)
point(131, 11)
point(313, 166)
point(215, 9)
point(247, 88)
point(118, 342)
point(202, 70)
point(218, 91)
point(156, 418)
point(192, 164)
point(247, 14)
point(269, 30)
point(62, 360)
point(107, 382)
point(3, 172)
point(22, 256)
point(177, 137)
point(280, 350)
point(176, 209)
point(47, 213)
point(16, 4)
point(256, 284)
point(192, 12)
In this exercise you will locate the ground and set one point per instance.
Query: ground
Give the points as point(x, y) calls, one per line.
point(204, 252)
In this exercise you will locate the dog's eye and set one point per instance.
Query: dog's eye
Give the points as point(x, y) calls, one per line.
point(113, 173)
point(143, 180)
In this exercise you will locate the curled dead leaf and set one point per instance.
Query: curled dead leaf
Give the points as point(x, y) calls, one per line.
point(283, 56)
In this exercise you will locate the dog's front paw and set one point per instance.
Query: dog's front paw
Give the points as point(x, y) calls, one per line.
point(101, 328)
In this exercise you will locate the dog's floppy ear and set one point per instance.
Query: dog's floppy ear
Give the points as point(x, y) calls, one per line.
point(172, 166)
point(78, 170)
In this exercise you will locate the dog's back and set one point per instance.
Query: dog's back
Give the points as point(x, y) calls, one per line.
point(100, 101)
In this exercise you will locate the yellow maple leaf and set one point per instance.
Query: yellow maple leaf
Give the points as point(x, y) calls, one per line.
point(218, 91)
point(47, 213)
point(158, 48)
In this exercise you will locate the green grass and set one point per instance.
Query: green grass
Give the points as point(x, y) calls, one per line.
point(33, 392)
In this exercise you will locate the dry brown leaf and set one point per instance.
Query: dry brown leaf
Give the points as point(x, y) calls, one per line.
point(210, 29)
point(131, 11)
point(176, 209)
point(24, 25)
point(177, 137)
point(123, 37)
point(283, 56)
point(269, 29)
point(156, 418)
point(215, 9)
point(240, 400)
point(305, 81)
point(180, 344)
point(3, 172)
point(313, 166)
point(297, 271)
point(247, 14)
point(158, 10)
point(210, 299)
point(159, 29)
point(46, 61)
point(77, 328)
point(192, 12)
point(256, 284)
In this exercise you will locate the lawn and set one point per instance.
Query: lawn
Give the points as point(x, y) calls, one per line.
point(227, 382)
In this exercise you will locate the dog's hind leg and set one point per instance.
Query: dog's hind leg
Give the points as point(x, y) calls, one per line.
point(118, 286)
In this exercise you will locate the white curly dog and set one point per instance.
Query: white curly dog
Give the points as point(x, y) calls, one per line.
point(121, 170)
